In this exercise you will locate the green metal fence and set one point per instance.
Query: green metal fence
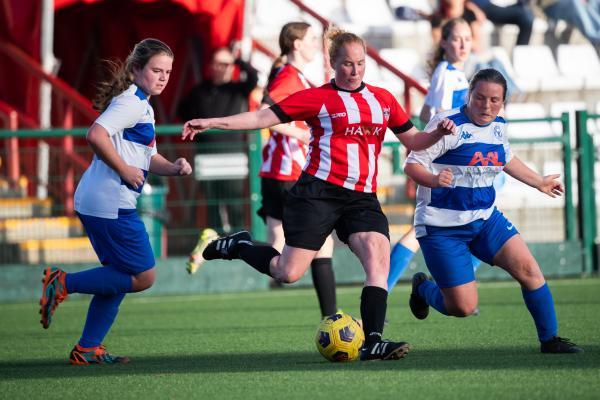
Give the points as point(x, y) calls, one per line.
point(564, 140)
point(588, 142)
point(176, 209)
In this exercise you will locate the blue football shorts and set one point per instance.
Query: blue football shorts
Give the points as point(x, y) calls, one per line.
point(122, 243)
point(448, 250)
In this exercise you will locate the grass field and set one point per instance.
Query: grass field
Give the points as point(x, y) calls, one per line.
point(261, 346)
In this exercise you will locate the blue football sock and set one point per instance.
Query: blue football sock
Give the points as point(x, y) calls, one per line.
point(105, 280)
point(433, 296)
point(101, 314)
point(399, 260)
point(541, 306)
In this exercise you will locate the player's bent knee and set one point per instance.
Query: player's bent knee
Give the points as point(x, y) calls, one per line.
point(288, 276)
point(144, 280)
point(461, 310)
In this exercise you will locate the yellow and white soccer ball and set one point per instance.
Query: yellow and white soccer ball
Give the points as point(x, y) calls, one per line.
point(339, 338)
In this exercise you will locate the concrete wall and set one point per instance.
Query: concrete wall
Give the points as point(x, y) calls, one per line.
point(23, 282)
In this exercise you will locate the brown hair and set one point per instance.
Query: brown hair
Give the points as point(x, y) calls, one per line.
point(438, 54)
point(337, 38)
point(489, 75)
point(121, 74)
point(290, 32)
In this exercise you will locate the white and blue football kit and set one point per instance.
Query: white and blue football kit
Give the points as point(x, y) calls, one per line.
point(104, 202)
point(452, 223)
point(449, 88)
point(129, 120)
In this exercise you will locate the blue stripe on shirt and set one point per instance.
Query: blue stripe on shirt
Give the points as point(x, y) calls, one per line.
point(463, 198)
point(461, 117)
point(139, 93)
point(459, 97)
point(474, 154)
point(142, 133)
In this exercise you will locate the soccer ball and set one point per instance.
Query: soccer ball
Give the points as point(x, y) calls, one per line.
point(339, 338)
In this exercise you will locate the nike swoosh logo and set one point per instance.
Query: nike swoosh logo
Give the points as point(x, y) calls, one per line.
point(510, 227)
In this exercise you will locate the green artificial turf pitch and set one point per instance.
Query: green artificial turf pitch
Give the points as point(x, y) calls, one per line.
point(261, 346)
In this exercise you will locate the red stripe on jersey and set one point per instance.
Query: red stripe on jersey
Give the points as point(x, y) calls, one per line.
point(348, 129)
point(284, 156)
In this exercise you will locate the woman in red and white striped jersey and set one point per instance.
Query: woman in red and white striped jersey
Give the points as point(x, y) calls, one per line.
point(285, 153)
point(337, 188)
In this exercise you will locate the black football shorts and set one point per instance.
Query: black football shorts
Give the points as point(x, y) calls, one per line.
point(314, 208)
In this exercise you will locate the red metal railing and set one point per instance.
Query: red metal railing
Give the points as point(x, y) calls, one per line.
point(10, 118)
point(62, 89)
point(72, 101)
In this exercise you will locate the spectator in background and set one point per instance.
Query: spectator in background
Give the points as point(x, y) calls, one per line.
point(519, 14)
point(582, 14)
point(219, 96)
point(449, 9)
point(407, 13)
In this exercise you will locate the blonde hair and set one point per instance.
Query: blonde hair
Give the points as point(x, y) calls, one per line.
point(337, 38)
point(121, 74)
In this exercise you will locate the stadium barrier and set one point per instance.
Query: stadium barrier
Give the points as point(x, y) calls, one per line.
point(562, 233)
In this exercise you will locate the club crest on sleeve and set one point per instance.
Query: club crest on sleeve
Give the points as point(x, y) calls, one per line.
point(386, 113)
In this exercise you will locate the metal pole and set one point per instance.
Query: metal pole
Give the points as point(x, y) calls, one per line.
point(12, 154)
point(48, 62)
point(585, 186)
point(569, 209)
point(45, 109)
point(68, 148)
point(248, 23)
point(259, 231)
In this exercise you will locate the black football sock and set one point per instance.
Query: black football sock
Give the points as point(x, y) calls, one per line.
point(324, 282)
point(373, 305)
point(258, 257)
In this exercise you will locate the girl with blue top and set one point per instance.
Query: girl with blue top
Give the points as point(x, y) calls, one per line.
point(449, 85)
point(449, 88)
point(456, 218)
point(124, 144)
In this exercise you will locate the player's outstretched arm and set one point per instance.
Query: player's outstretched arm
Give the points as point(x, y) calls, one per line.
point(423, 177)
point(415, 140)
point(248, 120)
point(546, 184)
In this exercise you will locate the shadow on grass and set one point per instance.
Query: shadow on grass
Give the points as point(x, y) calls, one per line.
point(494, 358)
